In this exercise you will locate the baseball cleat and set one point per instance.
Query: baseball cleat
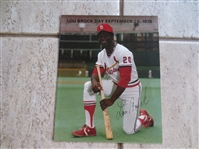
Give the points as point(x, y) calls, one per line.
point(143, 119)
point(84, 131)
point(149, 122)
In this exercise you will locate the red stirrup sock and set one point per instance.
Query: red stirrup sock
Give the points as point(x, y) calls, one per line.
point(89, 107)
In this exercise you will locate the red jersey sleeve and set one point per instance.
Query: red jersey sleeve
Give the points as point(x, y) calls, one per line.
point(102, 70)
point(125, 76)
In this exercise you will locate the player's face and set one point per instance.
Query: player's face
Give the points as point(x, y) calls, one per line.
point(105, 39)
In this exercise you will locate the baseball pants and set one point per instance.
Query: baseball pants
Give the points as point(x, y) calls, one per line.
point(130, 102)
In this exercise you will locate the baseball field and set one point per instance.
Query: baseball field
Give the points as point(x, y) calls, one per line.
point(69, 113)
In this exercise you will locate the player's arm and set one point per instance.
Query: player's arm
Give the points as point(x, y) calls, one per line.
point(125, 76)
point(96, 87)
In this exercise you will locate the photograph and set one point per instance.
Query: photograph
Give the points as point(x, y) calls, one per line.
point(108, 80)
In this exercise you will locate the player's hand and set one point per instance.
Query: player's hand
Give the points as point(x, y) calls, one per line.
point(96, 87)
point(106, 103)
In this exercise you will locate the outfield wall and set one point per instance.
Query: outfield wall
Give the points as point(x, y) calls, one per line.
point(29, 55)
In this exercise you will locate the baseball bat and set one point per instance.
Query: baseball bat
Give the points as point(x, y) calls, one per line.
point(107, 122)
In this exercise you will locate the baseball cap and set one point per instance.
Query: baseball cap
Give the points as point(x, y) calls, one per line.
point(104, 27)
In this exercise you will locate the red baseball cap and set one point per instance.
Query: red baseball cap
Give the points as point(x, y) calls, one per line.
point(104, 27)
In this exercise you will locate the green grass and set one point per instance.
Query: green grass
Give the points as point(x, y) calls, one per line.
point(69, 114)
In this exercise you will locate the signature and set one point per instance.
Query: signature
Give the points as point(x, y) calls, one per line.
point(145, 100)
point(121, 112)
point(129, 107)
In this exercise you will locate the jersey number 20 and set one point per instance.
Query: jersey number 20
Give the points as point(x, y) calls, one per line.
point(125, 59)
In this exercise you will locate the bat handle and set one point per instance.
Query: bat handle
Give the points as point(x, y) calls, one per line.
point(100, 80)
point(109, 133)
point(99, 74)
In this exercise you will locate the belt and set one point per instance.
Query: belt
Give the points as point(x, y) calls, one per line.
point(131, 83)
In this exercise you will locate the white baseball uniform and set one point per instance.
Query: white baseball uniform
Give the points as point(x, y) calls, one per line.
point(120, 57)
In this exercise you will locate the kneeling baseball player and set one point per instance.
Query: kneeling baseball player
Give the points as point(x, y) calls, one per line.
point(118, 63)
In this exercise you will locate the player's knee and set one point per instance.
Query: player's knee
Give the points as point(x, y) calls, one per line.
point(88, 94)
point(88, 89)
point(87, 84)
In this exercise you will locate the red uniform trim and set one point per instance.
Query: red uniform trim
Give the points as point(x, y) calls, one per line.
point(101, 70)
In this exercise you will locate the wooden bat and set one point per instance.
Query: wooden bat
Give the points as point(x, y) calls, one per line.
point(107, 123)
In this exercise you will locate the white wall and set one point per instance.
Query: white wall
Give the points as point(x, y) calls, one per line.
point(29, 55)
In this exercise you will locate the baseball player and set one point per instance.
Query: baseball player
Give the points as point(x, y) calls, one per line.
point(118, 63)
point(79, 73)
